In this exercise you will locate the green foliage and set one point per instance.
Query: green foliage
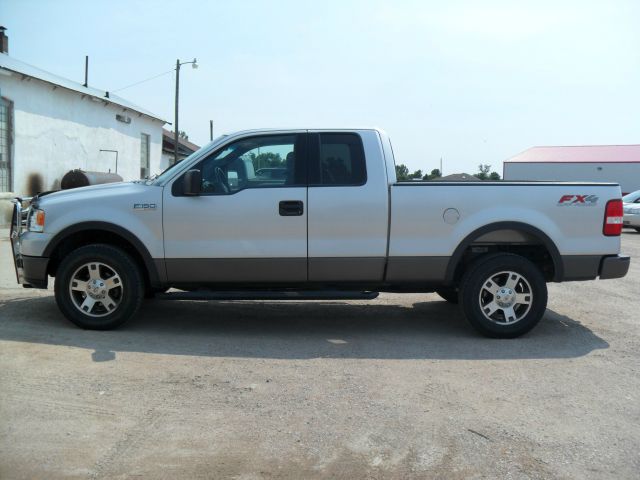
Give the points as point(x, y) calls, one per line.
point(485, 173)
point(402, 172)
point(403, 175)
point(266, 160)
point(435, 173)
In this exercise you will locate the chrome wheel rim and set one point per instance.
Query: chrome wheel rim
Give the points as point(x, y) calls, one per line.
point(505, 298)
point(96, 289)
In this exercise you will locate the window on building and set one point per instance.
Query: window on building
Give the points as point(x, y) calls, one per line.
point(144, 155)
point(5, 145)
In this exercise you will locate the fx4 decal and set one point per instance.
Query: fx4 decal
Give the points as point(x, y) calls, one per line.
point(578, 200)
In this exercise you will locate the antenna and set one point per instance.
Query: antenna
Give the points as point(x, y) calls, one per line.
point(86, 71)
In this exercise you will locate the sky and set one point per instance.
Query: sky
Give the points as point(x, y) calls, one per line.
point(471, 82)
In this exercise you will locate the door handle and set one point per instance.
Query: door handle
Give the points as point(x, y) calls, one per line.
point(291, 208)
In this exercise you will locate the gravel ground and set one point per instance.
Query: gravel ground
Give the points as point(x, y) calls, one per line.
point(399, 387)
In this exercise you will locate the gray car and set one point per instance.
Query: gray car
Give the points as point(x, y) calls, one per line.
point(631, 208)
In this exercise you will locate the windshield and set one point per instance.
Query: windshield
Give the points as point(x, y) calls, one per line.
point(631, 197)
point(168, 172)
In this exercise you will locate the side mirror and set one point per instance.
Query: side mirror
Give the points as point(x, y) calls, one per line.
point(192, 183)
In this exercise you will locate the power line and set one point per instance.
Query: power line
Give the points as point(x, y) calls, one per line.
point(142, 81)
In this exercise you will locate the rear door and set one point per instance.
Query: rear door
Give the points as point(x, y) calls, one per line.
point(348, 207)
point(250, 222)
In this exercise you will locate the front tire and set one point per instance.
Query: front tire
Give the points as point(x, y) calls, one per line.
point(503, 295)
point(98, 287)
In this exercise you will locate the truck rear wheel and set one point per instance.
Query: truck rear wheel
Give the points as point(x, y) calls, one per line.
point(503, 295)
point(98, 287)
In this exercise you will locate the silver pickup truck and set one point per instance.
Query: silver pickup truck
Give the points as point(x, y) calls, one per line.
point(331, 222)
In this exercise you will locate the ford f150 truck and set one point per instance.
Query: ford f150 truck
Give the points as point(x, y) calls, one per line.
point(334, 224)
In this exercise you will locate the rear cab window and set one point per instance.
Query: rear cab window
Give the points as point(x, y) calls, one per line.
point(337, 159)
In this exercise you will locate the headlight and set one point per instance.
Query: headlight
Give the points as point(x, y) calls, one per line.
point(35, 223)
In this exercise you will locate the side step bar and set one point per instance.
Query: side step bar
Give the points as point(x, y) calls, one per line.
point(267, 295)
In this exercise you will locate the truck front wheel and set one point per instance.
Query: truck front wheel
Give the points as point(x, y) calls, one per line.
point(448, 294)
point(98, 287)
point(503, 295)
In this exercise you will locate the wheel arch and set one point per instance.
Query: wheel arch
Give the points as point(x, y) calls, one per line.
point(536, 238)
point(106, 233)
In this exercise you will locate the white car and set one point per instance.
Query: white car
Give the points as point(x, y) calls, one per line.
point(631, 208)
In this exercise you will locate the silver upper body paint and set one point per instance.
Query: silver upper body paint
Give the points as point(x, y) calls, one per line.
point(377, 220)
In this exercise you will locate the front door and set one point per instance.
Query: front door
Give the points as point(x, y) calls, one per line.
point(249, 224)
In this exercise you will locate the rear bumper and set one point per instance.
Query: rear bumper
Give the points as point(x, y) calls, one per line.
point(615, 266)
point(589, 267)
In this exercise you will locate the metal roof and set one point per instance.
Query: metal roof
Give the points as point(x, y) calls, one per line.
point(13, 65)
point(169, 136)
point(579, 154)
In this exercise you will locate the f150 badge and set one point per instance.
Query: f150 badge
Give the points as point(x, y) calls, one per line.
point(578, 200)
point(144, 206)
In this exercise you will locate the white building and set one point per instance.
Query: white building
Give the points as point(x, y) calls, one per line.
point(50, 125)
point(586, 163)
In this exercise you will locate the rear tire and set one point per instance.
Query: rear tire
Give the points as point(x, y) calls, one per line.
point(449, 294)
point(503, 295)
point(636, 229)
point(98, 287)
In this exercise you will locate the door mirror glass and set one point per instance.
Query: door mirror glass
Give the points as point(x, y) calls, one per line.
point(192, 182)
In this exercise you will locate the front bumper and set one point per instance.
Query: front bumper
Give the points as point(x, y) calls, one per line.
point(615, 266)
point(31, 272)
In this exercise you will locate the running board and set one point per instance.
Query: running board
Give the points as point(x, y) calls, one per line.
point(267, 295)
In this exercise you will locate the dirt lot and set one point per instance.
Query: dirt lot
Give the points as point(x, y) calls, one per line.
point(399, 387)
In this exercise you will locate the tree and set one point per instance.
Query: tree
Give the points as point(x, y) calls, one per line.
point(402, 172)
point(485, 173)
point(266, 160)
point(435, 173)
point(416, 174)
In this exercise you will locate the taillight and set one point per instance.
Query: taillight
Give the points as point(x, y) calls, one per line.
point(613, 218)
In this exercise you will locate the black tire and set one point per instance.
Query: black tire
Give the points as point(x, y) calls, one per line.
point(151, 293)
point(493, 272)
point(127, 296)
point(449, 294)
point(636, 229)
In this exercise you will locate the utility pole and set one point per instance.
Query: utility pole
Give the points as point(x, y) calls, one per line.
point(211, 130)
point(176, 133)
point(175, 127)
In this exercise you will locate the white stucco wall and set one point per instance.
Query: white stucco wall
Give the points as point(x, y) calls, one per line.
point(626, 174)
point(56, 130)
point(165, 160)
